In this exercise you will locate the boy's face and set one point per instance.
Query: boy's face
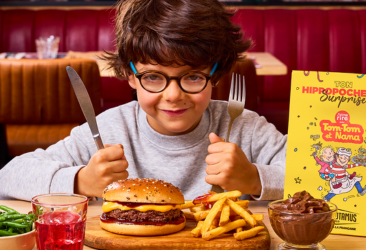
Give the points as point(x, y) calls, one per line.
point(171, 112)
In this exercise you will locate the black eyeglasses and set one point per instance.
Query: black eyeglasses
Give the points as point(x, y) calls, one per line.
point(155, 82)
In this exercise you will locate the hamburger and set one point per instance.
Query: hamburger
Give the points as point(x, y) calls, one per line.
point(142, 207)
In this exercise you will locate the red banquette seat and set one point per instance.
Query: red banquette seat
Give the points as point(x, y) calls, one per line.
point(328, 39)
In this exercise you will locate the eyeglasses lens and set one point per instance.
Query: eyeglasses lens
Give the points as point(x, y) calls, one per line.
point(191, 82)
point(153, 82)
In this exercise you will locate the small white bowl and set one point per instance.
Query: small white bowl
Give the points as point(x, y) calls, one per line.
point(24, 241)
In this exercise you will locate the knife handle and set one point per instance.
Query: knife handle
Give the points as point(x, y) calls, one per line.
point(98, 142)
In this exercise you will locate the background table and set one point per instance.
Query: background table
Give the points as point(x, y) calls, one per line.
point(270, 65)
point(333, 242)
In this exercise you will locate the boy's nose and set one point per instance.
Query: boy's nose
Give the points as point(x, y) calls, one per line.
point(173, 92)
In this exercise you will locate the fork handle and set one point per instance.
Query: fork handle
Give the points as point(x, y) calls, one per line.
point(229, 129)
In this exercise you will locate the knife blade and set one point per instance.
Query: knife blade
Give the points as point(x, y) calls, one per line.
point(85, 104)
point(217, 189)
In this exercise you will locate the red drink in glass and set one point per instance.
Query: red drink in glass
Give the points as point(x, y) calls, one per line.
point(60, 230)
point(60, 221)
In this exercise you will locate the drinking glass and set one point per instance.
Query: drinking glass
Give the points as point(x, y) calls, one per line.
point(47, 48)
point(60, 221)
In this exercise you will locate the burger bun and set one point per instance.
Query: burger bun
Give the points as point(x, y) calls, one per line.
point(143, 191)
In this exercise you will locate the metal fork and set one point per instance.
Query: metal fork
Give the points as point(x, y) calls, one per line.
point(235, 108)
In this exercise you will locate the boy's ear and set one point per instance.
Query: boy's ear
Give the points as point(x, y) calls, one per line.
point(132, 81)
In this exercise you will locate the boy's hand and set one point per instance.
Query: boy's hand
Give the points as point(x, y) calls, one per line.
point(229, 167)
point(106, 166)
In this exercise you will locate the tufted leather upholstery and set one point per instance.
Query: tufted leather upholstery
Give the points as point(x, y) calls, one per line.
point(20, 28)
point(37, 102)
point(303, 39)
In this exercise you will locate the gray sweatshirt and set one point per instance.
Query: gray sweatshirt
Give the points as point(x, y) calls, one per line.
point(179, 160)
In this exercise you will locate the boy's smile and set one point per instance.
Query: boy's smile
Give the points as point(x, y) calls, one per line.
point(172, 111)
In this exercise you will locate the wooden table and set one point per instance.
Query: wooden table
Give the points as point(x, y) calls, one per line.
point(333, 242)
point(270, 65)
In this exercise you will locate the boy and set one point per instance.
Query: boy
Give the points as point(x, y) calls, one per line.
point(172, 53)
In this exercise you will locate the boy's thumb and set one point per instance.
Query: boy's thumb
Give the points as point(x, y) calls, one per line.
point(214, 138)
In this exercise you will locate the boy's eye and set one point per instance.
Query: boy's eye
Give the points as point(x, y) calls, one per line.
point(194, 78)
point(152, 77)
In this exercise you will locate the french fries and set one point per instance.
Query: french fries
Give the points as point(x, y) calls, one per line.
point(241, 211)
point(214, 224)
point(227, 213)
point(258, 217)
point(227, 195)
point(197, 208)
point(187, 204)
point(243, 203)
point(196, 232)
point(220, 230)
point(248, 233)
point(212, 214)
point(201, 215)
point(188, 215)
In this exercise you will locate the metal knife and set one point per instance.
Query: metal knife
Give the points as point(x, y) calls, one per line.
point(85, 104)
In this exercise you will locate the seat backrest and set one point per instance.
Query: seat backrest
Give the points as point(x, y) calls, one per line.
point(314, 38)
point(23, 26)
point(246, 69)
point(40, 92)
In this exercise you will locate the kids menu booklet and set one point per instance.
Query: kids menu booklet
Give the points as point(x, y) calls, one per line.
point(326, 148)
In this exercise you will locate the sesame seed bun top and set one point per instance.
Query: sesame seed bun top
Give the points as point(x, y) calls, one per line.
point(143, 191)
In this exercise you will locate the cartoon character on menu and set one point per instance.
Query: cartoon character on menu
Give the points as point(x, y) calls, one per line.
point(344, 181)
point(326, 155)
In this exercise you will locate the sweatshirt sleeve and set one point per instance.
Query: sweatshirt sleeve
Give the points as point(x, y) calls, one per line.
point(47, 171)
point(269, 156)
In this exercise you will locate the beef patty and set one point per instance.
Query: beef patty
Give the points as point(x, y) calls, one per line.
point(136, 216)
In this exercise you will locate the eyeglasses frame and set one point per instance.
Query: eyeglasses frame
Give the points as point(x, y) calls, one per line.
point(170, 78)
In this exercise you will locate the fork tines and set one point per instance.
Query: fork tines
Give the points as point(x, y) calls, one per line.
point(237, 95)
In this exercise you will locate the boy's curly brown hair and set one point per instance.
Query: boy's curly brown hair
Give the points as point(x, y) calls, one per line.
point(197, 33)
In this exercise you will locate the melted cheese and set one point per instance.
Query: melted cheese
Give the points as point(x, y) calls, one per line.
point(109, 206)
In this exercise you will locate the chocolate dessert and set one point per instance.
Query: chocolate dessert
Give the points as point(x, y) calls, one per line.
point(302, 219)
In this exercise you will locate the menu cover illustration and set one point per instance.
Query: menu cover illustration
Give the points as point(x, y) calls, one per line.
point(326, 149)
